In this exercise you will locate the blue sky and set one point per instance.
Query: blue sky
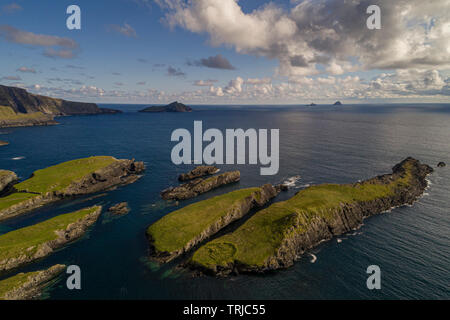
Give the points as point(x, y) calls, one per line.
point(151, 51)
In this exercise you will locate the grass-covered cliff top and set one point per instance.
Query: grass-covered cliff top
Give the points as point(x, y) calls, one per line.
point(14, 282)
point(7, 113)
point(27, 240)
point(260, 237)
point(175, 230)
point(55, 178)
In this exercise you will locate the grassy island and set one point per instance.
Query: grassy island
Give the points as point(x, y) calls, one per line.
point(180, 230)
point(25, 245)
point(275, 236)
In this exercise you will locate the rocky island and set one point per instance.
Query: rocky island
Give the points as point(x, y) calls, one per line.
point(27, 286)
point(18, 108)
point(173, 107)
point(28, 244)
point(198, 172)
point(198, 186)
point(276, 236)
point(119, 209)
point(68, 179)
point(179, 231)
point(337, 103)
point(3, 143)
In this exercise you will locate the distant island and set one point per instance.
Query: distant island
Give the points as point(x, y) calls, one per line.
point(312, 104)
point(18, 108)
point(3, 143)
point(337, 103)
point(173, 107)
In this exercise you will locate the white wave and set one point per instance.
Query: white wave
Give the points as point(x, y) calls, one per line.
point(291, 182)
point(339, 240)
point(18, 158)
point(313, 258)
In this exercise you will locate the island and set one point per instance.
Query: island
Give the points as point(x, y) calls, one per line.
point(181, 230)
point(173, 107)
point(275, 237)
point(66, 180)
point(3, 143)
point(18, 108)
point(337, 103)
point(200, 185)
point(25, 245)
point(441, 164)
point(6, 179)
point(198, 172)
point(27, 286)
point(312, 104)
point(119, 209)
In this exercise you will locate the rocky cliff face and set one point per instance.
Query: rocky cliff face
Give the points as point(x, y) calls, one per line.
point(35, 282)
point(238, 210)
point(198, 186)
point(6, 178)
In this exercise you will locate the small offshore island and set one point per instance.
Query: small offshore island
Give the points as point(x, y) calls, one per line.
point(173, 107)
point(18, 108)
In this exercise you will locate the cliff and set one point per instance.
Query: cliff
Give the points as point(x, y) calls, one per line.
point(27, 286)
point(68, 179)
point(22, 246)
point(179, 231)
point(6, 179)
point(173, 107)
point(275, 237)
point(198, 186)
point(20, 108)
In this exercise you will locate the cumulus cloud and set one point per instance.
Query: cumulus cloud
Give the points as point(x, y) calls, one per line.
point(26, 70)
point(54, 46)
point(125, 30)
point(204, 83)
point(215, 62)
point(11, 78)
point(332, 33)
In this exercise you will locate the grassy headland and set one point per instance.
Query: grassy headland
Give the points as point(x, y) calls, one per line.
point(275, 236)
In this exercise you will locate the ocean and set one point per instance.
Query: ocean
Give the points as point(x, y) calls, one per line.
point(323, 144)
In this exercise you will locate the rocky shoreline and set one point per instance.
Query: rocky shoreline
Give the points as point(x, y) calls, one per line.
point(6, 180)
point(198, 186)
point(72, 232)
point(299, 236)
point(120, 172)
point(257, 197)
point(32, 286)
point(198, 172)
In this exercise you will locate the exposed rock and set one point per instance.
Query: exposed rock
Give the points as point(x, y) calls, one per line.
point(441, 164)
point(311, 105)
point(337, 103)
point(32, 110)
point(3, 143)
point(35, 283)
point(71, 233)
point(119, 209)
point(198, 186)
point(282, 187)
point(173, 107)
point(300, 234)
point(241, 206)
point(6, 179)
point(198, 172)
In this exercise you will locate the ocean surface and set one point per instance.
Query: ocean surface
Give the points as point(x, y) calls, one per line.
point(323, 144)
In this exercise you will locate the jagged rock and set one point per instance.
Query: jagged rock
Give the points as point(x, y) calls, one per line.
point(34, 284)
point(198, 172)
point(6, 179)
point(198, 186)
point(120, 209)
point(173, 107)
point(441, 164)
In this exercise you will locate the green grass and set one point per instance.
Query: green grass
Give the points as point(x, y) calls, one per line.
point(175, 230)
point(259, 238)
point(14, 282)
point(55, 178)
point(8, 114)
point(27, 240)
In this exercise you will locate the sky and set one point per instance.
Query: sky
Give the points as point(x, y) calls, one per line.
point(228, 51)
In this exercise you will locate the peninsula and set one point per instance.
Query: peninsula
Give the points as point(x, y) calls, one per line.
point(276, 236)
point(173, 107)
point(179, 231)
point(22, 246)
point(68, 179)
point(18, 108)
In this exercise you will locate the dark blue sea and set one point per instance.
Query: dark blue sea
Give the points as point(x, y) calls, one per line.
point(323, 144)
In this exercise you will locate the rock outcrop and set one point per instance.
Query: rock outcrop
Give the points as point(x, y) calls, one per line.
point(71, 232)
point(441, 165)
point(275, 237)
point(180, 231)
point(6, 179)
point(119, 209)
point(28, 286)
point(198, 186)
point(3, 143)
point(173, 107)
point(20, 108)
point(198, 172)
point(337, 103)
